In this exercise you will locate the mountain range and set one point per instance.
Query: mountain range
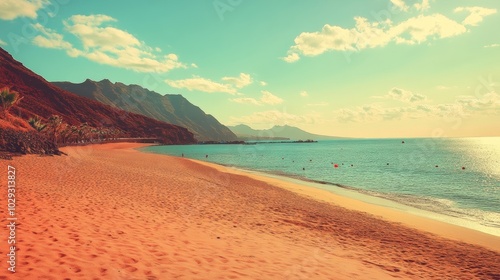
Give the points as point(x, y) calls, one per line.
point(276, 132)
point(171, 108)
point(43, 99)
point(132, 109)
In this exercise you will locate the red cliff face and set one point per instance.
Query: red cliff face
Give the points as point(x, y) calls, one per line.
point(44, 99)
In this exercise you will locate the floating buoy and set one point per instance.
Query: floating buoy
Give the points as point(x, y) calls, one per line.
point(437, 166)
point(387, 163)
point(352, 165)
point(303, 168)
point(336, 165)
point(463, 167)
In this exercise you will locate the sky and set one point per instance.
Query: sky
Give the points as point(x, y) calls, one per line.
point(359, 68)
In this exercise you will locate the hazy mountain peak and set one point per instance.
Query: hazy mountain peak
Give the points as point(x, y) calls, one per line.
point(277, 131)
point(242, 125)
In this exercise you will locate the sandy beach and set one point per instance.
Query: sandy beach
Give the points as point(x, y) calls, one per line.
point(111, 212)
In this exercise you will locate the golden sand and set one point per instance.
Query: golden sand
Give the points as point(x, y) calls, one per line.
point(111, 212)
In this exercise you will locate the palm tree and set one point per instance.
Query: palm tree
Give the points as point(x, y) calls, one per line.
point(83, 132)
point(8, 98)
point(101, 133)
point(65, 133)
point(37, 124)
point(93, 134)
point(55, 123)
point(117, 133)
point(74, 134)
point(69, 134)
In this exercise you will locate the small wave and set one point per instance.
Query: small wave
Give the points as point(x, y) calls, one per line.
point(446, 202)
point(447, 207)
point(436, 205)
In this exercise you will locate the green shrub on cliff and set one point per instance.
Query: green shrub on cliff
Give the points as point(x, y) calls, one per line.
point(37, 123)
point(8, 98)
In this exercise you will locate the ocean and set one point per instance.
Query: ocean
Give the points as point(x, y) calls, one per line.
point(456, 178)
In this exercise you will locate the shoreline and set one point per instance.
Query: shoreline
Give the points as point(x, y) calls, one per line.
point(376, 200)
point(389, 209)
point(399, 213)
point(112, 212)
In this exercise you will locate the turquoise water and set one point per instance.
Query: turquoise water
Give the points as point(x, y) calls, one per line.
point(465, 183)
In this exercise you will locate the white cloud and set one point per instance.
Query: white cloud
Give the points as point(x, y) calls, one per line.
point(262, 83)
point(107, 45)
point(291, 57)
point(304, 93)
point(365, 113)
point(267, 98)
point(240, 82)
point(52, 40)
point(403, 96)
point(492, 46)
point(400, 4)
point(2, 43)
point(462, 107)
point(12, 9)
point(422, 28)
point(476, 14)
point(489, 103)
point(422, 6)
point(231, 85)
point(376, 113)
point(202, 84)
point(246, 100)
point(90, 31)
point(366, 34)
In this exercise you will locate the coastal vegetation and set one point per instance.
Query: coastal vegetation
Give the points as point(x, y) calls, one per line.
point(16, 135)
point(8, 98)
point(39, 136)
point(64, 134)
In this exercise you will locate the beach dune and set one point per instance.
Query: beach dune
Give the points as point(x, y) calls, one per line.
point(111, 212)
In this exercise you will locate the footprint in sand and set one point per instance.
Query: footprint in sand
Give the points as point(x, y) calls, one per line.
point(130, 268)
point(158, 253)
point(131, 261)
point(75, 268)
